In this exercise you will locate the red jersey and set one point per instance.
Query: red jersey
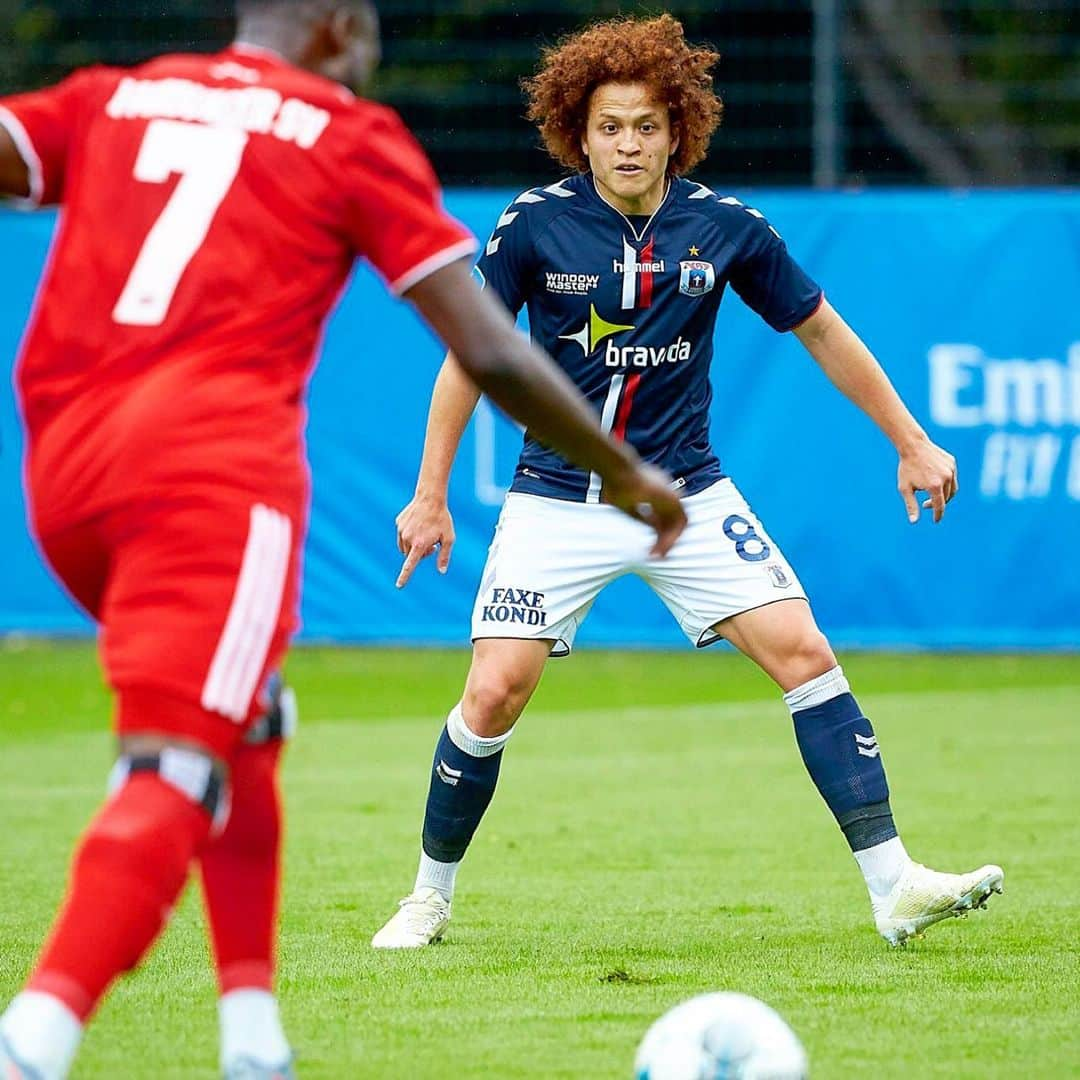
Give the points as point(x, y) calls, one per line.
point(212, 207)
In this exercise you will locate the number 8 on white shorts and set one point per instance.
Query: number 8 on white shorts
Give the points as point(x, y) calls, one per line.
point(551, 557)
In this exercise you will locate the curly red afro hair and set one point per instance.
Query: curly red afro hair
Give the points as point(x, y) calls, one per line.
point(626, 50)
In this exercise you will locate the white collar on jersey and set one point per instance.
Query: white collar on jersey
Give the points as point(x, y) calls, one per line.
point(256, 50)
point(629, 224)
point(246, 48)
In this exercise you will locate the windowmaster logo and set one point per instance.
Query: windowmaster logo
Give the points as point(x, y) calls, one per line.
point(570, 284)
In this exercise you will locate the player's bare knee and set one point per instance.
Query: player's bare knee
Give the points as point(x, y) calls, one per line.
point(492, 702)
point(810, 655)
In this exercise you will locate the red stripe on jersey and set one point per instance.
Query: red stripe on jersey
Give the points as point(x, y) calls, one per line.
point(645, 295)
point(623, 416)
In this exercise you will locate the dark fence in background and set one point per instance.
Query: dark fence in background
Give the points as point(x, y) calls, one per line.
point(829, 92)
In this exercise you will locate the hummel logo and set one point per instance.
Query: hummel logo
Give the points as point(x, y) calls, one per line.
point(867, 745)
point(452, 776)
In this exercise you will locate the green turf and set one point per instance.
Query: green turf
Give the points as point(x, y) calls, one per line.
point(654, 836)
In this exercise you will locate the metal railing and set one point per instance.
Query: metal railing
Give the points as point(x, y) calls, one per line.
point(828, 92)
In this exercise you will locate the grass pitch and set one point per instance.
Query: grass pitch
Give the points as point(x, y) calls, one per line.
point(654, 836)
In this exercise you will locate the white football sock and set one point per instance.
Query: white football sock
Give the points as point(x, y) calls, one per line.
point(467, 741)
point(251, 1028)
point(817, 691)
point(43, 1033)
point(441, 876)
point(882, 865)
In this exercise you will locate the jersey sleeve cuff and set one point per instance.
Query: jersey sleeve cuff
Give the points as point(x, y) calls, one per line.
point(24, 144)
point(809, 315)
point(432, 263)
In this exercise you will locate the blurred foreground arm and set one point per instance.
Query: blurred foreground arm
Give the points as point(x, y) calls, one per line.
point(523, 381)
point(14, 174)
point(851, 367)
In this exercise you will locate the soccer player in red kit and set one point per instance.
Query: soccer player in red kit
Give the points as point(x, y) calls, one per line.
point(213, 207)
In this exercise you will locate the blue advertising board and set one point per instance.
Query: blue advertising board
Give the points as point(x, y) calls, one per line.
point(968, 299)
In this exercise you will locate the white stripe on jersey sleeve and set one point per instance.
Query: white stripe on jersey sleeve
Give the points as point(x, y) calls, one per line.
point(434, 262)
point(24, 144)
point(558, 189)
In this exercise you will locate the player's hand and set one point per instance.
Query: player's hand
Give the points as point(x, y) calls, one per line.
point(645, 493)
point(926, 467)
point(423, 527)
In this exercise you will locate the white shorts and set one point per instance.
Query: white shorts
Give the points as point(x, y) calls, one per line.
point(550, 558)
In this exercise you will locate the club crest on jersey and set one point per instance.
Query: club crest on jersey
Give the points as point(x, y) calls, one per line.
point(778, 575)
point(696, 278)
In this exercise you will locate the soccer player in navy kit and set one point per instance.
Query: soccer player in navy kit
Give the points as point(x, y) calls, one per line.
point(622, 267)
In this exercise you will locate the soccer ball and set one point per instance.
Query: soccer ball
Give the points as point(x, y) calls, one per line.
point(721, 1037)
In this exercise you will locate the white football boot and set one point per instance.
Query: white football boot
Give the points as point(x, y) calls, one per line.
point(246, 1068)
point(922, 897)
point(420, 920)
point(13, 1069)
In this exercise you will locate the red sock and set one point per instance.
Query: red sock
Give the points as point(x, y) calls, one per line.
point(127, 873)
point(241, 873)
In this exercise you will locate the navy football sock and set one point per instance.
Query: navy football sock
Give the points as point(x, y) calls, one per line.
point(462, 784)
point(841, 754)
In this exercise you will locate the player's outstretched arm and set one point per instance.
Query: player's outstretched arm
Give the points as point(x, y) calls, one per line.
point(852, 368)
point(526, 383)
point(14, 175)
point(426, 525)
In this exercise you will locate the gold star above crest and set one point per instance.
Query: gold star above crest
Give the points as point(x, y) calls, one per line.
point(694, 250)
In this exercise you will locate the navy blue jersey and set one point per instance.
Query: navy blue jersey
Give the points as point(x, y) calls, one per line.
point(628, 308)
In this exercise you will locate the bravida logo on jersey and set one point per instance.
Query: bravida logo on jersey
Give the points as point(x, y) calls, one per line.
point(594, 331)
point(646, 355)
point(523, 606)
point(597, 329)
point(637, 274)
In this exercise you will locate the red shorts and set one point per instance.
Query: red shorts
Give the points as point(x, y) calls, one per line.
point(196, 599)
